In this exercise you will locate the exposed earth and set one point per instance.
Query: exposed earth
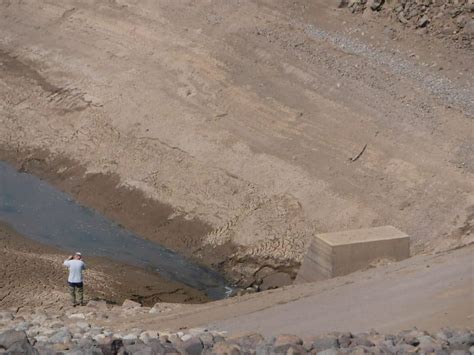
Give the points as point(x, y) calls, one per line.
point(233, 132)
point(241, 121)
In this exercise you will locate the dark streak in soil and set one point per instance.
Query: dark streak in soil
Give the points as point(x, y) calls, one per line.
point(20, 69)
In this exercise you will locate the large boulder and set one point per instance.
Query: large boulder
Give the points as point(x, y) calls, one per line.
point(362, 339)
point(139, 349)
point(325, 342)
point(111, 347)
point(226, 348)
point(192, 346)
point(283, 343)
point(345, 339)
point(22, 348)
point(10, 337)
point(156, 346)
point(461, 340)
point(63, 336)
point(250, 341)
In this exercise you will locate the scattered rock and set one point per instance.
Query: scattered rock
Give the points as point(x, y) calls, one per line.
point(284, 342)
point(129, 304)
point(186, 337)
point(23, 326)
point(295, 350)
point(62, 337)
point(345, 340)
point(376, 5)
point(139, 348)
point(275, 280)
point(324, 343)
point(130, 337)
point(147, 336)
point(462, 340)
point(99, 305)
point(406, 349)
point(287, 339)
point(192, 346)
point(362, 340)
point(111, 347)
point(39, 319)
point(83, 325)
point(207, 340)
point(22, 348)
point(250, 341)
point(328, 352)
point(77, 316)
point(57, 334)
point(423, 21)
point(446, 19)
point(469, 28)
point(225, 348)
point(343, 3)
point(401, 18)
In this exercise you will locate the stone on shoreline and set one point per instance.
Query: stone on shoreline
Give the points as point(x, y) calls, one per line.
point(129, 304)
point(11, 337)
point(99, 305)
point(59, 333)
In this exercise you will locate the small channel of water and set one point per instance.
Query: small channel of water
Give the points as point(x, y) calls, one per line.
point(39, 211)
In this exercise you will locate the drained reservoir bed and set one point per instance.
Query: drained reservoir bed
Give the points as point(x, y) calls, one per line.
point(41, 212)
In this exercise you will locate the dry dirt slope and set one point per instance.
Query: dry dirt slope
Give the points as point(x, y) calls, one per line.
point(244, 116)
point(429, 292)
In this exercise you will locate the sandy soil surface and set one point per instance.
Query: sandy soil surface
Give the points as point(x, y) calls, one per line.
point(428, 292)
point(243, 120)
point(32, 275)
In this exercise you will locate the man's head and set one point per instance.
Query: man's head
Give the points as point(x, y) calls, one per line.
point(78, 256)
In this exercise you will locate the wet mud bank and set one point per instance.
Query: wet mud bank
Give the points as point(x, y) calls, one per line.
point(151, 220)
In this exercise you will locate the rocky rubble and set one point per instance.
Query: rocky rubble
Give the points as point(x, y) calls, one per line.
point(75, 331)
point(452, 19)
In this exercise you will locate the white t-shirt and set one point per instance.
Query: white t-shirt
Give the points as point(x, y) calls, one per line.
point(75, 270)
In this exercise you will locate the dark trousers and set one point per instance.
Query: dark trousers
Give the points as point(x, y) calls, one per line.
point(79, 286)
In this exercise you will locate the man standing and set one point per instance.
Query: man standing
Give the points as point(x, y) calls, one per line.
point(75, 266)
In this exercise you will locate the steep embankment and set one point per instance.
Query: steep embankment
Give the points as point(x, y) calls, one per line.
point(242, 120)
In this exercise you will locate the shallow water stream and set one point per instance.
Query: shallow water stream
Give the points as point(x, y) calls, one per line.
point(39, 211)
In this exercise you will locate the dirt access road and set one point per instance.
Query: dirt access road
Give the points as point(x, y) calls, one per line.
point(429, 292)
point(239, 119)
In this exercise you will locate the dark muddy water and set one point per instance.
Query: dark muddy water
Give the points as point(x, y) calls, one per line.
point(39, 211)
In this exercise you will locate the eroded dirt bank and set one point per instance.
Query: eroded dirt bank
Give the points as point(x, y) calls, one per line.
point(241, 120)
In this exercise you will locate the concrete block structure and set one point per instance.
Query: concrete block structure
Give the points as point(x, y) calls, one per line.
point(337, 254)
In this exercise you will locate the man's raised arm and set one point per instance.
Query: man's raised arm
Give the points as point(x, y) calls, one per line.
point(66, 261)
